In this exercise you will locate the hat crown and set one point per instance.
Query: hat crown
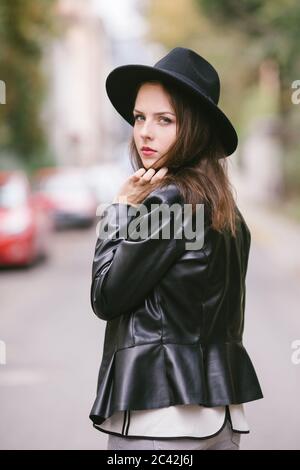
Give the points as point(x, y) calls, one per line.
point(194, 68)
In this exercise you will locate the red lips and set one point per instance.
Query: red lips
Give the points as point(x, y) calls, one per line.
point(148, 149)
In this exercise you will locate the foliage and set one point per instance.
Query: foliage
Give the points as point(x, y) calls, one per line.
point(25, 27)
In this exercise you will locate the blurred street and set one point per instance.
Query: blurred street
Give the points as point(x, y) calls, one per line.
point(64, 149)
point(53, 350)
point(272, 324)
point(54, 345)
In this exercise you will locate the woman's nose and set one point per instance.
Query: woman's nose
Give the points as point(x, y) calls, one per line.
point(146, 129)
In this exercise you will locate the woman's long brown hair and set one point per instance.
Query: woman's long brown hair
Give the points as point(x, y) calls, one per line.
point(196, 161)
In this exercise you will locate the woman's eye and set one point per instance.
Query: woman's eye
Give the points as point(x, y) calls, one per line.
point(136, 116)
point(165, 119)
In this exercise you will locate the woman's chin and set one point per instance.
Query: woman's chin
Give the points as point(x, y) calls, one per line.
point(148, 162)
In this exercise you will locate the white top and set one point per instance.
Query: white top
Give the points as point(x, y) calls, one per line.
point(175, 421)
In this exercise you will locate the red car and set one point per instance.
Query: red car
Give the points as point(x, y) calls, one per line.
point(24, 224)
point(70, 200)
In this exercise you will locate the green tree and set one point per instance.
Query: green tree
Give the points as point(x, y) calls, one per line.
point(25, 27)
point(272, 27)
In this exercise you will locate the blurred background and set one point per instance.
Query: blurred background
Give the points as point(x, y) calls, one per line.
point(64, 150)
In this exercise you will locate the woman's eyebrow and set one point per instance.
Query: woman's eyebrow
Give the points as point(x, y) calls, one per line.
point(161, 112)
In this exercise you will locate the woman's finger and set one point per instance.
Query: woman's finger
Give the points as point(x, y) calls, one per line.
point(138, 174)
point(159, 174)
point(147, 176)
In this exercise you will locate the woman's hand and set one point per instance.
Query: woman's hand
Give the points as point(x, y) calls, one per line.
point(134, 187)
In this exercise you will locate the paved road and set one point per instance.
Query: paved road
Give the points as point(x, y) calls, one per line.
point(54, 344)
point(272, 324)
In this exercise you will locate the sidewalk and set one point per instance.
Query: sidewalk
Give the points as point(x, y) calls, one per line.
point(276, 233)
point(272, 321)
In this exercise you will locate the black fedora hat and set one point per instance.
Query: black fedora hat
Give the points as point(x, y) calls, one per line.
point(190, 72)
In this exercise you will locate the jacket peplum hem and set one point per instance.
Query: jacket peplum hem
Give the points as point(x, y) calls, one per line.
point(156, 375)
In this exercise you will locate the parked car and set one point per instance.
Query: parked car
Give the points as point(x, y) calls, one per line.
point(70, 201)
point(105, 180)
point(24, 225)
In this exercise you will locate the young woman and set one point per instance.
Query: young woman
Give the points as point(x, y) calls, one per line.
point(174, 372)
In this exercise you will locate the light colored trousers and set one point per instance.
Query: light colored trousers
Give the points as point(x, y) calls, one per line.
point(225, 440)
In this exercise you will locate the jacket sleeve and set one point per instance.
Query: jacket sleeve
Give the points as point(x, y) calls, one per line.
point(126, 268)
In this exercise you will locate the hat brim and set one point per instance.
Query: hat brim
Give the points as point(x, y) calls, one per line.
point(121, 86)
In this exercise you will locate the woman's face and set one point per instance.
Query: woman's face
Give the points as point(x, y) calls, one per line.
point(155, 124)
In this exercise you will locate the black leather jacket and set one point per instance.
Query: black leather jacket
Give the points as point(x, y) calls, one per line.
point(175, 317)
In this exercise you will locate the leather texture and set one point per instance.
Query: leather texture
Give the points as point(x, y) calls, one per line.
point(175, 317)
